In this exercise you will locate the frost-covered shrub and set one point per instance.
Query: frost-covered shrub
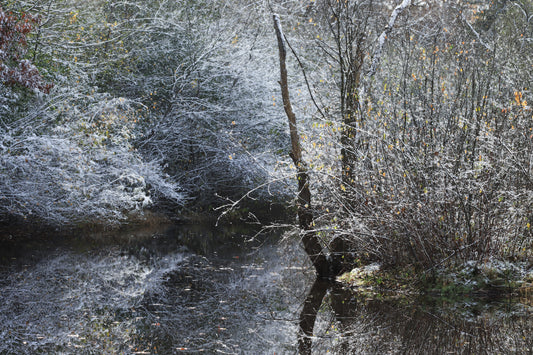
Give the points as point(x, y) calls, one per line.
point(216, 125)
point(84, 168)
point(141, 89)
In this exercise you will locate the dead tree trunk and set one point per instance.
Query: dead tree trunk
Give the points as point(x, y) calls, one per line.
point(310, 240)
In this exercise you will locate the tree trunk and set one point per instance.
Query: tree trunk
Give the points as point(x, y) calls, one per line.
point(310, 240)
point(350, 110)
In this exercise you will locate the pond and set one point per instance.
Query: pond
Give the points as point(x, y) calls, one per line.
point(197, 289)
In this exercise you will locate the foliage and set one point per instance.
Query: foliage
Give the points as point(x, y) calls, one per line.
point(14, 69)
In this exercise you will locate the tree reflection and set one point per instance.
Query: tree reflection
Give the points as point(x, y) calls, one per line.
point(340, 321)
point(339, 299)
point(308, 315)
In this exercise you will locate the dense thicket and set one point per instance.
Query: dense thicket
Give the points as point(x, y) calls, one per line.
point(425, 157)
point(152, 101)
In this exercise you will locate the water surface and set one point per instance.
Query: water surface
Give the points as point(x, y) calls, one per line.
point(196, 289)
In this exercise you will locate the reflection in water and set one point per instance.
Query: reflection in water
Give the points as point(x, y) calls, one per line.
point(308, 315)
point(198, 290)
point(335, 321)
point(181, 290)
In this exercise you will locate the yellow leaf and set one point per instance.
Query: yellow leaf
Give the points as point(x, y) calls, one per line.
point(518, 97)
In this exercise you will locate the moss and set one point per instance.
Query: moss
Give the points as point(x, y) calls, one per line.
point(391, 282)
point(492, 280)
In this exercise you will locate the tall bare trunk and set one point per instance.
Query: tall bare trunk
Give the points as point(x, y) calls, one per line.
point(310, 240)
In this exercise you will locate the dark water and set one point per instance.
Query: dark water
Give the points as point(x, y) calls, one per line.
point(188, 290)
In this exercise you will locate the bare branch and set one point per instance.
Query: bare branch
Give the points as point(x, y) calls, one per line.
point(386, 32)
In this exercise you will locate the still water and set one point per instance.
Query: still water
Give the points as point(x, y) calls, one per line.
point(199, 290)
